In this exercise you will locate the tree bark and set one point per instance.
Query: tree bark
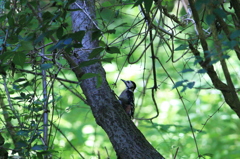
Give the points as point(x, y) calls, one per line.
point(126, 139)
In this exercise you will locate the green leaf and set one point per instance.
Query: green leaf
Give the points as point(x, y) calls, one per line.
point(25, 46)
point(123, 24)
point(40, 38)
point(39, 155)
point(43, 35)
point(198, 59)
point(39, 147)
point(95, 52)
point(187, 70)
point(46, 66)
point(87, 63)
point(3, 18)
point(112, 50)
point(96, 34)
point(16, 87)
point(181, 47)
point(76, 46)
point(137, 3)
point(221, 13)
point(225, 56)
point(201, 71)
point(20, 80)
point(19, 58)
point(47, 16)
point(61, 44)
point(13, 39)
point(235, 34)
point(88, 75)
point(99, 81)
point(59, 32)
point(214, 61)
point(21, 144)
point(179, 83)
point(7, 56)
point(7, 4)
point(23, 132)
point(184, 88)
point(78, 36)
point(148, 5)
point(190, 84)
point(108, 60)
point(111, 31)
point(210, 19)
point(207, 154)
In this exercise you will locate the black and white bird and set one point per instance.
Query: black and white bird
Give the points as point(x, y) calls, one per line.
point(126, 98)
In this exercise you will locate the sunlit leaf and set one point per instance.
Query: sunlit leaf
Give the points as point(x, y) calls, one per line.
point(181, 47)
point(95, 52)
point(108, 60)
point(112, 50)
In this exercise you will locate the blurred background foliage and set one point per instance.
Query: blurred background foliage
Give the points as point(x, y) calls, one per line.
point(73, 127)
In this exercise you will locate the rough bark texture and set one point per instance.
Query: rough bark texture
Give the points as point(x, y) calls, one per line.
point(127, 140)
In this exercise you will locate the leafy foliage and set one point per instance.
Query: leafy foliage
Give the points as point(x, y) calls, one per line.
point(184, 116)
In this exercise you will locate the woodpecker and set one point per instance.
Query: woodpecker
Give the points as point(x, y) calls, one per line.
point(126, 98)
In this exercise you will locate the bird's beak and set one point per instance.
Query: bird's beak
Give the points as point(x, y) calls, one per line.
point(123, 80)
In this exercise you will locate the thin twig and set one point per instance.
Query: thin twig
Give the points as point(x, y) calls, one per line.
point(69, 142)
point(185, 108)
point(94, 23)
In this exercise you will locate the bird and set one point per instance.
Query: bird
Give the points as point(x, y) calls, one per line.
point(126, 98)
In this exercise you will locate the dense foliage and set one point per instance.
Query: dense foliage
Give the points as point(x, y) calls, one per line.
point(184, 60)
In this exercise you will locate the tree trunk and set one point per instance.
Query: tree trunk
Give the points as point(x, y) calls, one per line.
point(126, 139)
